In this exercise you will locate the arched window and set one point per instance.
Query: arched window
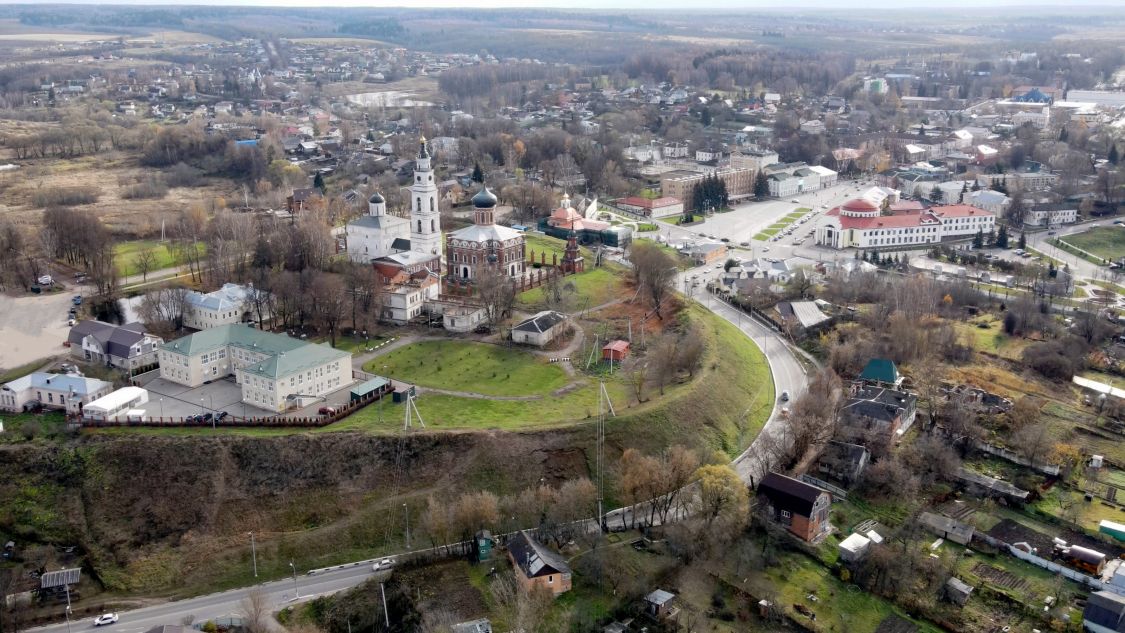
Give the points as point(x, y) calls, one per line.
point(431, 204)
point(419, 226)
point(433, 226)
point(419, 205)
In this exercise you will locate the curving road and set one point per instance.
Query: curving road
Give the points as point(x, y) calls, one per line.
point(788, 375)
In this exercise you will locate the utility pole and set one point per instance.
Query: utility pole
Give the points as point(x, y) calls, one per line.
point(386, 614)
point(254, 554)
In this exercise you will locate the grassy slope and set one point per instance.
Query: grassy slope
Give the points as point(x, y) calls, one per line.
point(1104, 241)
point(592, 288)
point(467, 366)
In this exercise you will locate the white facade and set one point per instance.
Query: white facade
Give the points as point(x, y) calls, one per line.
point(114, 405)
point(783, 185)
point(229, 304)
point(827, 176)
point(860, 224)
point(373, 235)
point(425, 216)
point(1050, 217)
point(273, 370)
point(403, 303)
point(753, 159)
point(52, 391)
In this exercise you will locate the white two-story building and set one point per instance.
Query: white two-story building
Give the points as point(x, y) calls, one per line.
point(860, 223)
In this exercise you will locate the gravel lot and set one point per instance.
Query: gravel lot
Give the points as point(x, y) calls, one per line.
point(33, 327)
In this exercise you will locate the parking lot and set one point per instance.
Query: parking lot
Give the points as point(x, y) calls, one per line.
point(173, 400)
point(34, 327)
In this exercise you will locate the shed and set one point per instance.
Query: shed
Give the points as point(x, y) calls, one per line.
point(958, 591)
point(947, 528)
point(659, 603)
point(377, 386)
point(615, 350)
point(854, 548)
point(540, 329)
point(402, 393)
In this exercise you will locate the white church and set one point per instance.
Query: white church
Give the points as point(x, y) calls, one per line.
point(379, 235)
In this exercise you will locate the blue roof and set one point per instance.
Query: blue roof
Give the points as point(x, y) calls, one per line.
point(79, 385)
point(252, 141)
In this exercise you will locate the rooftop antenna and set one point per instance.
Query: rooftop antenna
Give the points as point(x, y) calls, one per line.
point(409, 409)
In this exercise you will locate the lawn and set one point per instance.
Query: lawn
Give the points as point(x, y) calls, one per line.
point(125, 253)
point(592, 288)
point(840, 606)
point(991, 339)
point(465, 366)
point(1108, 285)
point(1107, 242)
point(546, 245)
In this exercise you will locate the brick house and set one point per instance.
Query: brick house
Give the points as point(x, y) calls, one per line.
point(802, 508)
point(537, 566)
point(306, 199)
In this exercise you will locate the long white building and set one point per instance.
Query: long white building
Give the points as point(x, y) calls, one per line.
point(274, 370)
point(861, 224)
point(230, 304)
point(52, 391)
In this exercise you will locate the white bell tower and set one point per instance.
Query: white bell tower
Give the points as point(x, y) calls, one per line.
point(425, 219)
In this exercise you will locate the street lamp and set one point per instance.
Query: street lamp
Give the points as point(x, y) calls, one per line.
point(68, 618)
point(254, 553)
point(296, 590)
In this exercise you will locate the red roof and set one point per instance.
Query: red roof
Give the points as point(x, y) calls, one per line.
point(617, 346)
point(907, 205)
point(901, 221)
point(859, 204)
point(958, 211)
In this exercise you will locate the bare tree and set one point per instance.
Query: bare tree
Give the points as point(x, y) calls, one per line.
point(329, 303)
point(653, 272)
point(256, 611)
point(523, 609)
point(496, 292)
point(143, 261)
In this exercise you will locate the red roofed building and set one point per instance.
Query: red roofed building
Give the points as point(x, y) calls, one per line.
point(658, 208)
point(861, 224)
point(567, 217)
point(615, 351)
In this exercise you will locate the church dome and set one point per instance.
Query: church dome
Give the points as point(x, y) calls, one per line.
point(484, 199)
point(376, 198)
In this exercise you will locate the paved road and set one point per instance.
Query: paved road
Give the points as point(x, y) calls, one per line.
point(227, 603)
point(788, 375)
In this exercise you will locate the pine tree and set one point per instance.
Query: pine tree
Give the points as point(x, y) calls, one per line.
point(1113, 157)
point(1002, 237)
point(976, 185)
point(1064, 135)
point(318, 182)
point(978, 239)
point(1023, 241)
point(761, 185)
point(478, 174)
point(936, 194)
point(705, 117)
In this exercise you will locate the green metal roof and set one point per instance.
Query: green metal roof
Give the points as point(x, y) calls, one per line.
point(287, 355)
point(880, 370)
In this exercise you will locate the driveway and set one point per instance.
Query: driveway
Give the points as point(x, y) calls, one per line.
point(33, 327)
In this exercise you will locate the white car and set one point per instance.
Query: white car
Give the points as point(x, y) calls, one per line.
point(46, 280)
point(795, 201)
point(386, 563)
point(105, 618)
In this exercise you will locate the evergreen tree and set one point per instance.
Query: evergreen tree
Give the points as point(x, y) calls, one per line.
point(478, 174)
point(1002, 237)
point(1064, 135)
point(978, 239)
point(991, 241)
point(976, 185)
point(370, 136)
point(936, 194)
point(1023, 240)
point(761, 185)
point(705, 117)
point(1113, 157)
point(318, 182)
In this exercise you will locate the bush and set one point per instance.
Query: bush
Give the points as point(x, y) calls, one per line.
point(64, 196)
point(150, 190)
point(183, 175)
point(1056, 360)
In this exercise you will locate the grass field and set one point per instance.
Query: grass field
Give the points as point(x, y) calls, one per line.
point(991, 339)
point(592, 288)
point(782, 224)
point(546, 245)
point(467, 366)
point(1107, 242)
point(125, 254)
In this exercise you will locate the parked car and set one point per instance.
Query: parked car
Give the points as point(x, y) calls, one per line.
point(71, 322)
point(744, 243)
point(795, 201)
point(326, 410)
point(45, 280)
point(77, 300)
point(207, 417)
point(765, 249)
point(222, 416)
point(105, 618)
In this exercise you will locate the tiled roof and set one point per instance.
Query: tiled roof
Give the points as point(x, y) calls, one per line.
point(287, 355)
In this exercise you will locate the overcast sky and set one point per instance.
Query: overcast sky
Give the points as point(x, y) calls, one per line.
point(617, 4)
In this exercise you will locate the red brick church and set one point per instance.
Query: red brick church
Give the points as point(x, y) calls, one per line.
point(484, 244)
